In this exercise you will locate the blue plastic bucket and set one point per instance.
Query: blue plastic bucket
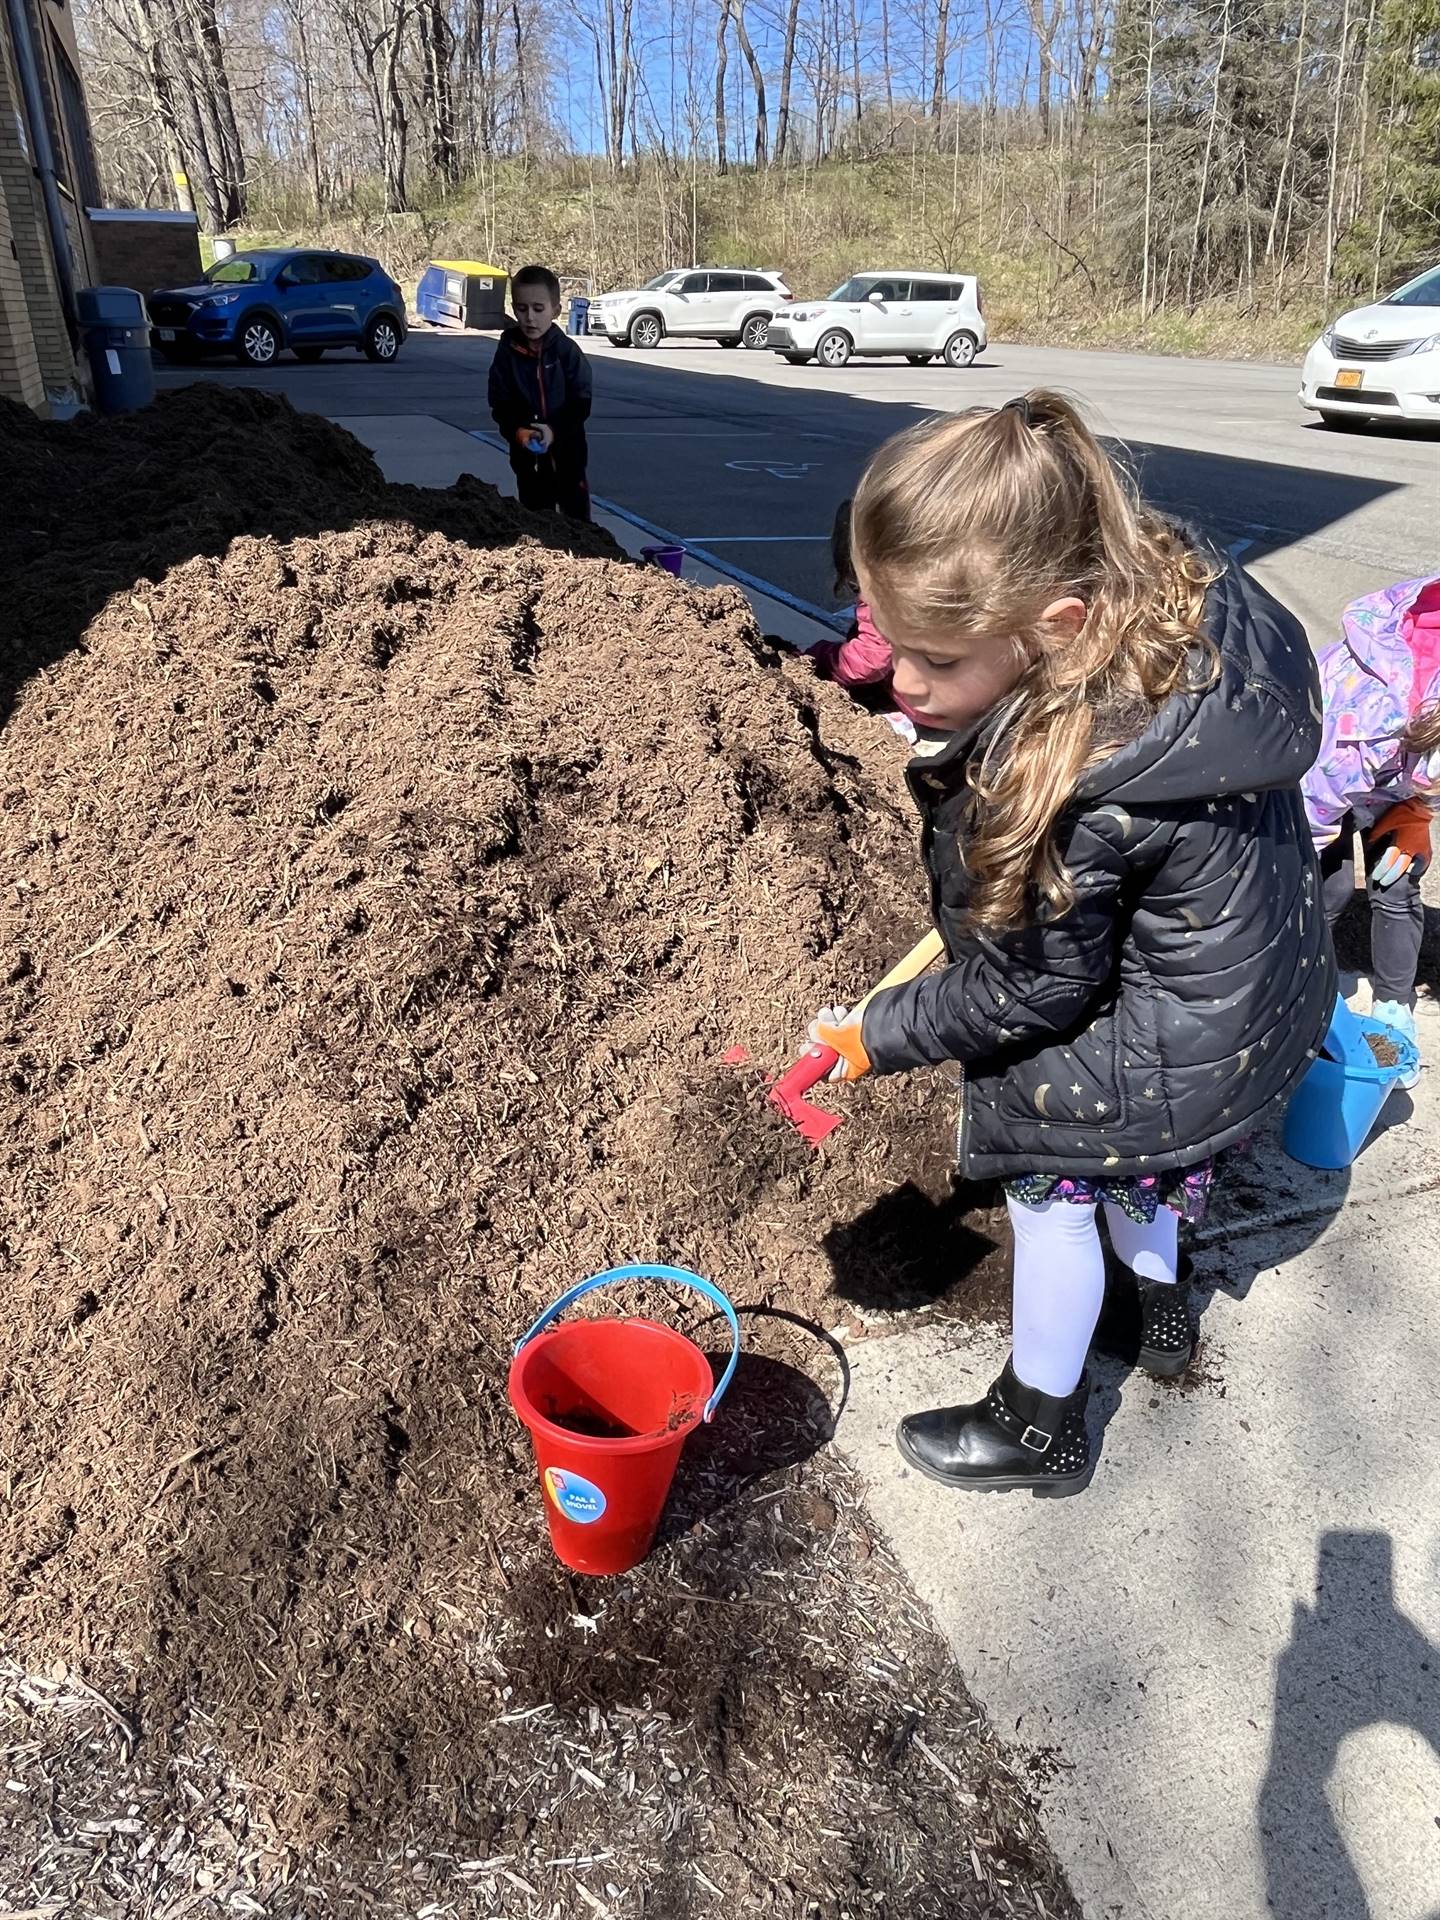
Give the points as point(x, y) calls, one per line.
point(672, 559)
point(1336, 1105)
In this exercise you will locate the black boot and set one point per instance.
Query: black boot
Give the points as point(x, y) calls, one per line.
point(1146, 1323)
point(1015, 1437)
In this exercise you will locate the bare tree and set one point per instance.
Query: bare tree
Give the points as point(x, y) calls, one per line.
point(722, 62)
point(757, 81)
point(787, 77)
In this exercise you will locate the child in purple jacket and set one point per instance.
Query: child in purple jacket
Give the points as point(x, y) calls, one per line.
point(1379, 770)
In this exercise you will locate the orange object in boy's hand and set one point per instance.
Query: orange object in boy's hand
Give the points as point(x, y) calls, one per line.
point(1404, 832)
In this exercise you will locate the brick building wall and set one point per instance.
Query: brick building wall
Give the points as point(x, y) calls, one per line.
point(37, 361)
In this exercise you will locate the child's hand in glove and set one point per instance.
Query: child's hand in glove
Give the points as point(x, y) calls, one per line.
point(839, 1029)
point(1404, 832)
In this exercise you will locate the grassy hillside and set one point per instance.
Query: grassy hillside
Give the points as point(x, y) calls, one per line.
point(1043, 271)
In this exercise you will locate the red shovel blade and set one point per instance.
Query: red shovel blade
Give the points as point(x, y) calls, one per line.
point(812, 1123)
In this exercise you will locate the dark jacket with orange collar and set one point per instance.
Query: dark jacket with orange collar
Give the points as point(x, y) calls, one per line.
point(549, 383)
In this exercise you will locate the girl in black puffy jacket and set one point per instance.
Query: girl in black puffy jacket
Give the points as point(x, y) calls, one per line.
point(1113, 729)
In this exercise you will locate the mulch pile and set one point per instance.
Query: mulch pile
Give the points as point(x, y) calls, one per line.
point(378, 905)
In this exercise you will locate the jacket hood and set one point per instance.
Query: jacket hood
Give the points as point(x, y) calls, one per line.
point(1257, 726)
point(1374, 625)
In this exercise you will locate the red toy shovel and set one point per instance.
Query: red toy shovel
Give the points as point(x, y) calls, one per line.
point(788, 1092)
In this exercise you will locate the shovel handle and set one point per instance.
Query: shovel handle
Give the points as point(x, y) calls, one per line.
point(922, 955)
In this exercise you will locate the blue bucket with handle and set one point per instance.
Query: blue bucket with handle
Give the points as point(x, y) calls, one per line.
point(1335, 1107)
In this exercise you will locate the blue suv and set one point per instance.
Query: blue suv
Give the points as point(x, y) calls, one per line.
point(255, 304)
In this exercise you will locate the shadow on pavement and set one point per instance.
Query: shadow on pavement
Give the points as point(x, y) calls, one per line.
point(1354, 1662)
point(761, 468)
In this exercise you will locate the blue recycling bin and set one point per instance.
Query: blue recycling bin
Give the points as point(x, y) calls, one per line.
point(116, 331)
point(579, 315)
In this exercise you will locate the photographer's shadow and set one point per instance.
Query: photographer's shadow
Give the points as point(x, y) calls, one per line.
point(1354, 1662)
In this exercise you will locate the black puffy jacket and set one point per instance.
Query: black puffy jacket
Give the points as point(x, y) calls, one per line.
point(1190, 985)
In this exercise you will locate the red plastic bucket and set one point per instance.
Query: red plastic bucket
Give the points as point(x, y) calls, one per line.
point(608, 1405)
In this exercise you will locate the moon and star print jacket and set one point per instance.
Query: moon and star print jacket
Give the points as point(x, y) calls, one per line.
point(1191, 984)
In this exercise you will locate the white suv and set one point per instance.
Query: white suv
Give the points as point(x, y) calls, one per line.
point(727, 304)
point(918, 315)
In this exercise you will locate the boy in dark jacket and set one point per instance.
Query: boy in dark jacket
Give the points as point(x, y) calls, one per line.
point(540, 399)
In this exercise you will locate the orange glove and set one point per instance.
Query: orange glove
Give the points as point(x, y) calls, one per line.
point(840, 1030)
point(1404, 832)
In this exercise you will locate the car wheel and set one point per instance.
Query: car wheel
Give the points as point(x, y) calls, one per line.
point(755, 334)
point(646, 331)
point(1343, 422)
point(259, 343)
point(960, 350)
point(729, 341)
point(919, 359)
point(309, 354)
point(798, 359)
point(618, 340)
point(382, 338)
point(834, 349)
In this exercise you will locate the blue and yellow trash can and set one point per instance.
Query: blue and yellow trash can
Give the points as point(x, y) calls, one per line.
point(462, 293)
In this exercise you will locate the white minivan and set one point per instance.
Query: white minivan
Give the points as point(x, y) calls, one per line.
point(917, 315)
point(1380, 362)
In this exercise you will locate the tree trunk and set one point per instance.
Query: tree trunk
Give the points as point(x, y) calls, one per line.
point(1340, 77)
point(722, 61)
point(1044, 23)
point(1209, 150)
point(787, 75)
point(757, 80)
point(437, 44)
point(1146, 289)
point(942, 51)
point(1287, 156)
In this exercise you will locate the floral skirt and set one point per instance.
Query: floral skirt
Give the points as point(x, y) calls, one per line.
point(1141, 1196)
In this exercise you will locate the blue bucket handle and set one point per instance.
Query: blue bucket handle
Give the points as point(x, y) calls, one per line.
point(681, 1276)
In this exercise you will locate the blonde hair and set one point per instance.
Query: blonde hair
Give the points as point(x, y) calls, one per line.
point(972, 525)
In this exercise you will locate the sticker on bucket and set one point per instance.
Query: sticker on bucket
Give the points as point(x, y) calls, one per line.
point(579, 1500)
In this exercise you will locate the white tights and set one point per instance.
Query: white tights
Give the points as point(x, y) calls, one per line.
point(1060, 1281)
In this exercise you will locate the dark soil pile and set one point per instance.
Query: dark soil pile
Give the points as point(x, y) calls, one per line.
point(377, 912)
point(90, 506)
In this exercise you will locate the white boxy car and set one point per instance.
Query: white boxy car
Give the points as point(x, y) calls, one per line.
point(917, 315)
point(1380, 362)
point(732, 305)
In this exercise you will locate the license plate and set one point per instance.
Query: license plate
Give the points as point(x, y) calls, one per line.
point(166, 333)
point(1349, 377)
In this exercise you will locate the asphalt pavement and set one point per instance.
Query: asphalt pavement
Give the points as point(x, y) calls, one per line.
point(747, 458)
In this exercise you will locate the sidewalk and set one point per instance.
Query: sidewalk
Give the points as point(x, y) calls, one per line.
point(1229, 1646)
point(419, 450)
